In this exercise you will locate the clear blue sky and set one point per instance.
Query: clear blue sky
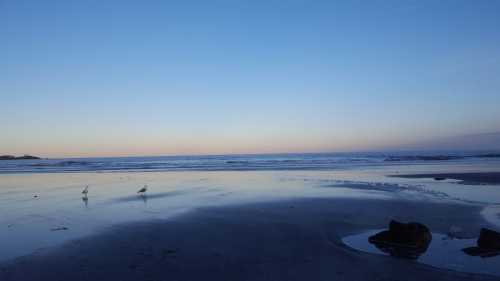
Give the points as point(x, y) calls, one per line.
point(88, 78)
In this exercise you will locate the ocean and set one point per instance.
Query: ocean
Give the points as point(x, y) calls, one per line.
point(254, 162)
point(42, 205)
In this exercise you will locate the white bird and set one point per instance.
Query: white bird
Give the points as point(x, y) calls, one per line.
point(85, 190)
point(143, 190)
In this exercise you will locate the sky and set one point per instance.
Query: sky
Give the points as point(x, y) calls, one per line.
point(119, 78)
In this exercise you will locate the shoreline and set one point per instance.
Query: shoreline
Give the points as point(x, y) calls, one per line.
point(464, 178)
point(283, 240)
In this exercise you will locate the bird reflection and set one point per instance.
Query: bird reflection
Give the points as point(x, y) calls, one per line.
point(142, 194)
point(85, 200)
point(144, 198)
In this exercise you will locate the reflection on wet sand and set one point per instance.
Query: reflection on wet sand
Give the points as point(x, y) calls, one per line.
point(443, 251)
point(145, 197)
point(85, 200)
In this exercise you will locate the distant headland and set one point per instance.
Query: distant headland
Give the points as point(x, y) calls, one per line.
point(11, 157)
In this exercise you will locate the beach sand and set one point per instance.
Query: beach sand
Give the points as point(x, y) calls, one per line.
point(281, 240)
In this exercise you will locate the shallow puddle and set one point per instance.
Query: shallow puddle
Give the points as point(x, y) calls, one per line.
point(442, 252)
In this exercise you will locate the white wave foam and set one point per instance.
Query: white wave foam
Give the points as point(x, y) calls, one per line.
point(491, 214)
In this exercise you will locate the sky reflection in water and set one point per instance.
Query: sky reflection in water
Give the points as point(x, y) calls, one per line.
point(113, 198)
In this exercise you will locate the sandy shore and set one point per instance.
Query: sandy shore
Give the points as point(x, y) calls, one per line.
point(286, 240)
point(465, 178)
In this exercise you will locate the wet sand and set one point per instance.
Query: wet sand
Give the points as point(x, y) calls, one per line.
point(465, 178)
point(283, 240)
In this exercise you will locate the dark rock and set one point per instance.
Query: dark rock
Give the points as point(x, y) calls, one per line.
point(439, 179)
point(488, 155)
point(422, 158)
point(488, 244)
point(408, 240)
point(479, 252)
point(24, 157)
point(59, 228)
point(7, 157)
point(411, 234)
point(489, 239)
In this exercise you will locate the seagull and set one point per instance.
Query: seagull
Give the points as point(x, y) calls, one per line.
point(85, 190)
point(143, 190)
